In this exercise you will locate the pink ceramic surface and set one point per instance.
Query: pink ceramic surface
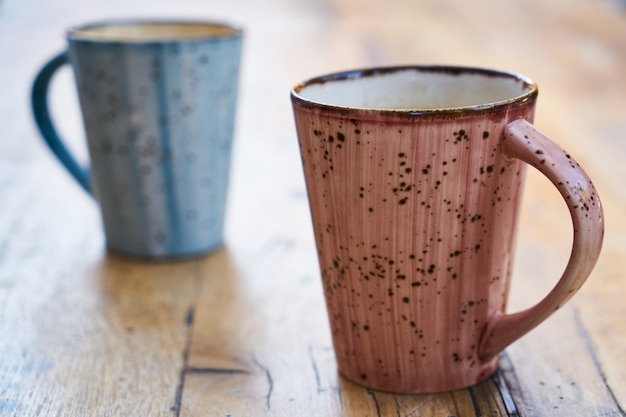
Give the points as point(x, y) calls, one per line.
point(414, 177)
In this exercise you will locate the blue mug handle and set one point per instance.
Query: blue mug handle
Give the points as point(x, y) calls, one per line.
point(39, 103)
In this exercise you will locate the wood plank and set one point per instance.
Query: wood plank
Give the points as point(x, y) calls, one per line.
point(117, 359)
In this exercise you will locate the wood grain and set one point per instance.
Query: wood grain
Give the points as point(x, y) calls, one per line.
point(244, 332)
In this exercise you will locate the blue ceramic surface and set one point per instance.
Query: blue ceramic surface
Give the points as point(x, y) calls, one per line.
point(159, 118)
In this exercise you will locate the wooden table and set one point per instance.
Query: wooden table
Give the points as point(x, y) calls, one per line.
point(243, 332)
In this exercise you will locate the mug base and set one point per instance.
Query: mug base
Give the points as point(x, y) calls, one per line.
point(164, 257)
point(428, 385)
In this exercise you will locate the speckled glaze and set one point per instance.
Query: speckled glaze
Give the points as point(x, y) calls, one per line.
point(414, 213)
point(159, 116)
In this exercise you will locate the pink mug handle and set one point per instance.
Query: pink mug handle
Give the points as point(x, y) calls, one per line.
point(522, 141)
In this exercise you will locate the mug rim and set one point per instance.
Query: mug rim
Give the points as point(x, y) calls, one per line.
point(529, 96)
point(232, 30)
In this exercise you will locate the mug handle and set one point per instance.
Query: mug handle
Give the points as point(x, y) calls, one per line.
point(39, 103)
point(522, 141)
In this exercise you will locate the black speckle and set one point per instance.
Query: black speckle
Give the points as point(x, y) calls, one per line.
point(341, 137)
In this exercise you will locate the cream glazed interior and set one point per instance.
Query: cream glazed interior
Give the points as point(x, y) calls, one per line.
point(418, 89)
point(151, 31)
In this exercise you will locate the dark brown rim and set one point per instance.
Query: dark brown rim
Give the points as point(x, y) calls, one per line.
point(526, 97)
point(234, 31)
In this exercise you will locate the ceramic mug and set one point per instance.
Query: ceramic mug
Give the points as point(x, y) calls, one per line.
point(158, 101)
point(414, 177)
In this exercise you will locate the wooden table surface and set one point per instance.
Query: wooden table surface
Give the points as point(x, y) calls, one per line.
point(243, 332)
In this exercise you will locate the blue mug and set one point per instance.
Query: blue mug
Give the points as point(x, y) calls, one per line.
point(158, 101)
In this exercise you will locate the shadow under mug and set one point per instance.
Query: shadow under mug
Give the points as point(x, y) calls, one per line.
point(414, 177)
point(158, 101)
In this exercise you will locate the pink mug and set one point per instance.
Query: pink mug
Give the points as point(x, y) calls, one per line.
point(414, 177)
